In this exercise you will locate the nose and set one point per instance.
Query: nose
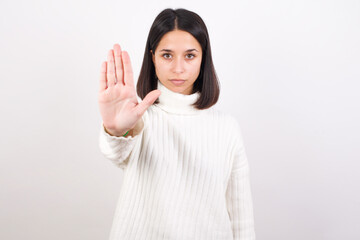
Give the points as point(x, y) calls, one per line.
point(178, 66)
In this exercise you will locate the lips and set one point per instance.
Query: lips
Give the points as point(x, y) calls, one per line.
point(177, 82)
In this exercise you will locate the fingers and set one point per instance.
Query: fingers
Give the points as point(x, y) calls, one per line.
point(118, 64)
point(147, 101)
point(118, 68)
point(103, 84)
point(110, 69)
point(128, 73)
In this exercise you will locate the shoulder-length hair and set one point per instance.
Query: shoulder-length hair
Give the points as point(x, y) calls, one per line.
point(180, 19)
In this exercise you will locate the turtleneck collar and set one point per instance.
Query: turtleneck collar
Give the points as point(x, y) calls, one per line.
point(178, 103)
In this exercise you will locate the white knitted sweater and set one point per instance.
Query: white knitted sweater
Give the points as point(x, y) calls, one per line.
point(186, 175)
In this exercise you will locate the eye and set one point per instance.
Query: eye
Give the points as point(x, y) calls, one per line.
point(165, 55)
point(191, 55)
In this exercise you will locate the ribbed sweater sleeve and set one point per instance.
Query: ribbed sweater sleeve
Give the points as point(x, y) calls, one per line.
point(238, 194)
point(118, 149)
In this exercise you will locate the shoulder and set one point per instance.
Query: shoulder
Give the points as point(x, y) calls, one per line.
point(226, 118)
point(231, 126)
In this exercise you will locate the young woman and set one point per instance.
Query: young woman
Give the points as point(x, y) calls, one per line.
point(186, 174)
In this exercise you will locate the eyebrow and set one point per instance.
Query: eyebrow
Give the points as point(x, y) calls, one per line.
point(168, 50)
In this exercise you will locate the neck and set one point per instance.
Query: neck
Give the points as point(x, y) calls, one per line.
point(177, 103)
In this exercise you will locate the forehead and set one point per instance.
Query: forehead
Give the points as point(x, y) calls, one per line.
point(178, 40)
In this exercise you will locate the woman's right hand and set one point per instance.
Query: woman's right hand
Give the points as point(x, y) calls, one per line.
point(119, 107)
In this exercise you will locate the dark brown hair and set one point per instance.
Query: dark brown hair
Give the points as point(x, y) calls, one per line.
point(180, 19)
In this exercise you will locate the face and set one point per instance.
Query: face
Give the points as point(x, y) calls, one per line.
point(178, 57)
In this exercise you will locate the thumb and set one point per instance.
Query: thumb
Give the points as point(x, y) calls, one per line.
point(149, 99)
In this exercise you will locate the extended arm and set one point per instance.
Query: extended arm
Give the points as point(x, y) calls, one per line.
point(119, 148)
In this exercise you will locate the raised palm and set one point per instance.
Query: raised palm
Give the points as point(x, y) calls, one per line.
point(119, 107)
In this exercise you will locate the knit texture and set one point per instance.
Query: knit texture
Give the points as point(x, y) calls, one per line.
point(186, 175)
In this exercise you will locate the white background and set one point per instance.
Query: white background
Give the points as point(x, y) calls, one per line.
point(289, 71)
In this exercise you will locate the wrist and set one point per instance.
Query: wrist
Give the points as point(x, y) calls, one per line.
point(116, 133)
